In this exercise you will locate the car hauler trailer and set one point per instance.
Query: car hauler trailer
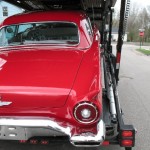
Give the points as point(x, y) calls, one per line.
point(100, 13)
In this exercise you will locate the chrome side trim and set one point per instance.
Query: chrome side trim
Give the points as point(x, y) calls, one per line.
point(2, 103)
point(25, 128)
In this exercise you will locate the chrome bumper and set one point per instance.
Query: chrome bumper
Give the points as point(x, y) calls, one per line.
point(23, 129)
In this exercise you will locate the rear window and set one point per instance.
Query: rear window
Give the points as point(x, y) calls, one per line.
point(39, 33)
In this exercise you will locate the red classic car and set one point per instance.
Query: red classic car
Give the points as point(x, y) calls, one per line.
point(50, 77)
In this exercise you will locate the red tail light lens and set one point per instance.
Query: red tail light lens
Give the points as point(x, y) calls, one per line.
point(127, 143)
point(127, 134)
point(44, 142)
point(33, 141)
point(105, 143)
point(85, 112)
point(23, 141)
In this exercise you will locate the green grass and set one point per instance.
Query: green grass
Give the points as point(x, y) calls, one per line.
point(144, 51)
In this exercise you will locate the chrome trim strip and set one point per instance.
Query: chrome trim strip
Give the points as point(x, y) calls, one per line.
point(4, 103)
point(34, 123)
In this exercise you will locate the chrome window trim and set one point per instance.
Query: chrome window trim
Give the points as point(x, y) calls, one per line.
point(45, 22)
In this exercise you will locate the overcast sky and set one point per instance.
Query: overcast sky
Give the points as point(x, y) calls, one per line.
point(141, 3)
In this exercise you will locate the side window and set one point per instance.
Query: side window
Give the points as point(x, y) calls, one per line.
point(3, 40)
point(24, 27)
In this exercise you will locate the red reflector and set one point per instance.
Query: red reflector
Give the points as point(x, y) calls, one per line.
point(44, 142)
point(118, 57)
point(33, 141)
point(105, 143)
point(127, 143)
point(127, 134)
point(23, 141)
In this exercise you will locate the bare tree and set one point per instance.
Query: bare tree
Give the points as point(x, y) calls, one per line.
point(138, 18)
point(116, 17)
point(144, 23)
point(132, 26)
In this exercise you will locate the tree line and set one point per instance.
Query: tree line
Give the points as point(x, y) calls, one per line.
point(139, 18)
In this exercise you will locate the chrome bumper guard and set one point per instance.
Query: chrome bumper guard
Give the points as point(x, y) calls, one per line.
point(23, 129)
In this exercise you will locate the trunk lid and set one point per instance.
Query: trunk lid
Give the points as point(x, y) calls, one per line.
point(38, 78)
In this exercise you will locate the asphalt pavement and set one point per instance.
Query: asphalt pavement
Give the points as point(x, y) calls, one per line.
point(134, 93)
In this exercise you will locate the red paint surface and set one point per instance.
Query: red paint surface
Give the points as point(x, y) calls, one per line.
point(43, 77)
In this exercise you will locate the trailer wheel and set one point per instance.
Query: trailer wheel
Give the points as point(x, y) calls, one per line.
point(128, 148)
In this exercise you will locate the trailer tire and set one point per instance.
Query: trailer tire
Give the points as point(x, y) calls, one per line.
point(128, 148)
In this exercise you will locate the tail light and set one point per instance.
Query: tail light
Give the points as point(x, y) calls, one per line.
point(105, 143)
point(127, 133)
point(127, 143)
point(23, 141)
point(33, 141)
point(44, 142)
point(127, 136)
point(85, 112)
point(127, 139)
